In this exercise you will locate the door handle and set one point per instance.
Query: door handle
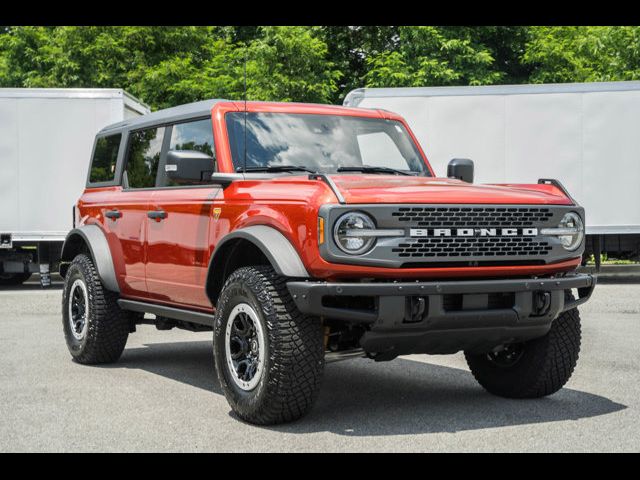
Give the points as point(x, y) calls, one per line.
point(113, 214)
point(157, 215)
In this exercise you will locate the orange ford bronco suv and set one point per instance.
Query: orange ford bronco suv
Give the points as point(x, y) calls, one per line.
point(302, 234)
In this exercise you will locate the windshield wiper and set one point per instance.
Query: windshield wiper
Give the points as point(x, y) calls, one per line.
point(276, 168)
point(370, 169)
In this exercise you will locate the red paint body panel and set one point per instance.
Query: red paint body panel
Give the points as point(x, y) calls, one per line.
point(126, 236)
point(166, 261)
point(177, 247)
point(392, 188)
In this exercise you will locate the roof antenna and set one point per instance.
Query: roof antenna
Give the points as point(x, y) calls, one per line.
point(244, 167)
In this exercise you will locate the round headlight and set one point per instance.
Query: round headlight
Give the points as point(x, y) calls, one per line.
point(571, 221)
point(345, 233)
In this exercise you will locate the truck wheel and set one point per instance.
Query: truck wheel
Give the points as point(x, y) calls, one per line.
point(14, 278)
point(269, 357)
point(95, 327)
point(535, 368)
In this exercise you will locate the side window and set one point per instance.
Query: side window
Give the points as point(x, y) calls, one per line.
point(143, 156)
point(105, 156)
point(196, 136)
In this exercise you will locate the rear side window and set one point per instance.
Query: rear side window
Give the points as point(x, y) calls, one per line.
point(105, 157)
point(143, 156)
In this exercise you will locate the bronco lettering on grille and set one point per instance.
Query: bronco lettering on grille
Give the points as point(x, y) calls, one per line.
point(473, 232)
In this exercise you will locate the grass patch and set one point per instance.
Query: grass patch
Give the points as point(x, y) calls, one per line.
point(612, 261)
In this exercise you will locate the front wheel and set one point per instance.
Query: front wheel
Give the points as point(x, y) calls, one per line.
point(269, 357)
point(535, 368)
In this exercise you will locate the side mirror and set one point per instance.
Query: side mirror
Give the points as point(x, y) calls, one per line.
point(461, 168)
point(188, 167)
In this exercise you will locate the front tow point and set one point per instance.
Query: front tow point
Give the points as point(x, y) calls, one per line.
point(541, 303)
point(415, 310)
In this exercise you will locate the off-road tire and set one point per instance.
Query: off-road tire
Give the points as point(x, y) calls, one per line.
point(108, 325)
point(545, 366)
point(294, 354)
point(9, 279)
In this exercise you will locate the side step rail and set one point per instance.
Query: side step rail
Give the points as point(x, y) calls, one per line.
point(168, 312)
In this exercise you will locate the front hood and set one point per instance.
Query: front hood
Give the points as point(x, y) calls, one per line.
point(406, 189)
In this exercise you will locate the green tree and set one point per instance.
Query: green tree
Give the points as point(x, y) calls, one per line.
point(165, 66)
point(433, 56)
point(283, 64)
point(505, 44)
point(210, 72)
point(291, 64)
point(21, 55)
point(349, 48)
point(583, 54)
point(91, 56)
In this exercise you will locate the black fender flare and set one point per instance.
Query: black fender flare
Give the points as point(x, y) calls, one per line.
point(281, 254)
point(96, 241)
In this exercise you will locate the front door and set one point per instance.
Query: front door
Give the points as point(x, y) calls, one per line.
point(178, 230)
point(177, 247)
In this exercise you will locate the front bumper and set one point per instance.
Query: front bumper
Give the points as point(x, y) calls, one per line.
point(444, 317)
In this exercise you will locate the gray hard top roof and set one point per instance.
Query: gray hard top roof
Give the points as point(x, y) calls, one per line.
point(177, 114)
point(168, 115)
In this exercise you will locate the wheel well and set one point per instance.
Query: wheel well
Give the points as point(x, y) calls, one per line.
point(73, 246)
point(231, 256)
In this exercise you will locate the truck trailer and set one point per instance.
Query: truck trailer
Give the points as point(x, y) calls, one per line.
point(583, 134)
point(46, 137)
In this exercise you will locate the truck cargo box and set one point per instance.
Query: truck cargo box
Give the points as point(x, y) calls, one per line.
point(46, 138)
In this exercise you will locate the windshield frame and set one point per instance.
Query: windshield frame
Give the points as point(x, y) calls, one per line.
point(427, 171)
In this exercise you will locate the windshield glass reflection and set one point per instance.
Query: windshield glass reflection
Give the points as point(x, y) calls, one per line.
point(322, 143)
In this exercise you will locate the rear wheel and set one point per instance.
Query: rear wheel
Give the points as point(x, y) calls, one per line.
point(269, 357)
point(14, 278)
point(535, 368)
point(95, 327)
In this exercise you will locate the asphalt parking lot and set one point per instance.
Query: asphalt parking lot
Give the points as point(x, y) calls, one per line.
point(163, 394)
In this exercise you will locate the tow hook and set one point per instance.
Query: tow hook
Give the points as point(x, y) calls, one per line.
point(415, 309)
point(541, 303)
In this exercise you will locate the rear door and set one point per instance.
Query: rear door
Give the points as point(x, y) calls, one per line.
point(178, 236)
point(126, 215)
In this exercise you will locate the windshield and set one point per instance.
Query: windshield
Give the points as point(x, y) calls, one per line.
point(322, 143)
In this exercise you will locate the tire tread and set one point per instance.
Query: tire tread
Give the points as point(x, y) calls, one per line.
point(109, 325)
point(296, 350)
point(550, 363)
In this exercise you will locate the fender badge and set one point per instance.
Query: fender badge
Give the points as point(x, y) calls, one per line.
point(216, 213)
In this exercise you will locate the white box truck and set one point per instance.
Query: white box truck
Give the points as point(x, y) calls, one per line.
point(46, 138)
point(586, 135)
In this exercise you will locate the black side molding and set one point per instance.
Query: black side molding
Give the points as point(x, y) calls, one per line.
point(169, 312)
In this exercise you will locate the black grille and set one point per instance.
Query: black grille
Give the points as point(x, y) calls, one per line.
point(473, 216)
point(472, 247)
